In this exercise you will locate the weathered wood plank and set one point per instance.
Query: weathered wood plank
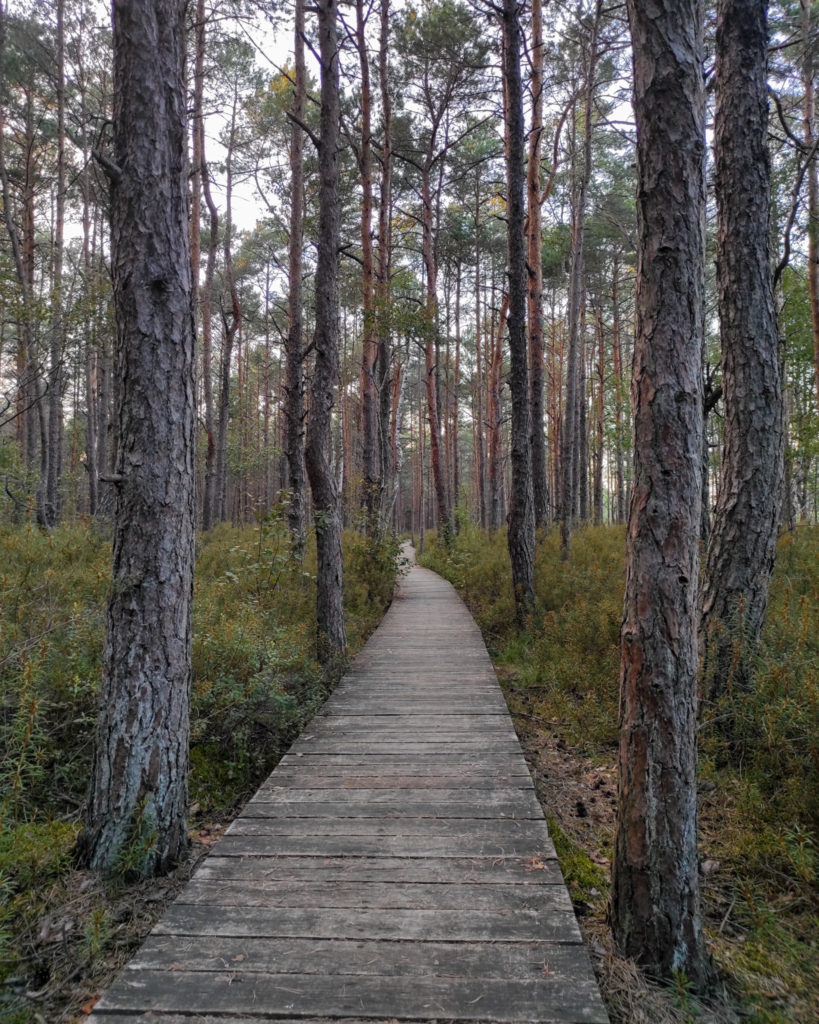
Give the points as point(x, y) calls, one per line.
point(320, 870)
point(388, 846)
point(275, 822)
point(499, 960)
point(567, 996)
point(353, 779)
point(376, 895)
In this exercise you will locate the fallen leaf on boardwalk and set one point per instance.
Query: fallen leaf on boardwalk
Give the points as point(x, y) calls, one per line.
point(535, 864)
point(238, 959)
point(176, 967)
point(89, 1005)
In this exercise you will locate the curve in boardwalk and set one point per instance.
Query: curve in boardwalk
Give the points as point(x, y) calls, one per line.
point(395, 865)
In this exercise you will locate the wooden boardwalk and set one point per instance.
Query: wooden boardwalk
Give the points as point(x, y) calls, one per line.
point(395, 866)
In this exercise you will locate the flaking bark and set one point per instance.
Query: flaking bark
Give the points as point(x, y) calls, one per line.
point(655, 908)
point(136, 816)
point(742, 546)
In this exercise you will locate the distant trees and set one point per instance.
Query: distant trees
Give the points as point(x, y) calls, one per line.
point(136, 820)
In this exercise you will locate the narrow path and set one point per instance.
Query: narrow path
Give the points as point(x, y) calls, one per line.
point(396, 865)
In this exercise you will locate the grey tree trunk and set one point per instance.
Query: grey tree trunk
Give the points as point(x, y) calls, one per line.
point(332, 636)
point(294, 346)
point(51, 488)
point(540, 479)
point(655, 903)
point(521, 534)
point(742, 547)
point(386, 374)
point(136, 816)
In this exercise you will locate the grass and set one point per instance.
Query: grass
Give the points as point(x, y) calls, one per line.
point(255, 684)
point(759, 811)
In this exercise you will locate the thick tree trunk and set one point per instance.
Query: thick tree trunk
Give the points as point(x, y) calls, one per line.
point(655, 908)
point(136, 816)
point(332, 637)
point(742, 547)
point(294, 345)
point(521, 534)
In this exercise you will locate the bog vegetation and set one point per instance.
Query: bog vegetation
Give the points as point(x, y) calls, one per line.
point(256, 683)
point(759, 793)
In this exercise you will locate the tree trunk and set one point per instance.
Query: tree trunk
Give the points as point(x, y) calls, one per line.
point(480, 469)
point(655, 908)
point(540, 480)
point(521, 535)
point(742, 548)
point(136, 816)
point(387, 423)
point(294, 345)
point(430, 361)
point(51, 484)
point(809, 131)
point(332, 637)
point(209, 511)
point(231, 322)
point(371, 497)
point(572, 465)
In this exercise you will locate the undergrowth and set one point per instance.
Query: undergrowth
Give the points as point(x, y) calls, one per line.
point(255, 684)
point(759, 802)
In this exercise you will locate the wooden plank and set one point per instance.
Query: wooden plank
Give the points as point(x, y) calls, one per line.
point(251, 954)
point(389, 846)
point(320, 870)
point(353, 779)
point(466, 925)
point(275, 818)
point(375, 895)
point(569, 997)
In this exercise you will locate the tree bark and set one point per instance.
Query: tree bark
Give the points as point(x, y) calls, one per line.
point(655, 908)
point(231, 322)
point(573, 476)
point(136, 816)
point(53, 463)
point(386, 374)
point(332, 637)
point(372, 483)
point(206, 299)
point(521, 533)
point(742, 548)
point(540, 480)
point(812, 174)
point(294, 345)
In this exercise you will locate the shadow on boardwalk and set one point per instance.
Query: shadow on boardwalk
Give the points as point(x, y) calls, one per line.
point(396, 864)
